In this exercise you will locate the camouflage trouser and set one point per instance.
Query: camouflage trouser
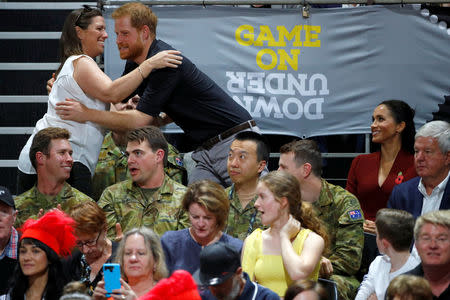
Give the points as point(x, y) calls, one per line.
point(347, 286)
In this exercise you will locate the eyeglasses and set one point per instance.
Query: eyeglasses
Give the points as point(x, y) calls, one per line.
point(441, 240)
point(90, 243)
point(86, 9)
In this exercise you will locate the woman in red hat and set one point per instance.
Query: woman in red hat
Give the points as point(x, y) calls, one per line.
point(43, 241)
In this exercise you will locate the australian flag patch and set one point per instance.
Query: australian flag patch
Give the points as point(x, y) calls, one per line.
point(179, 161)
point(355, 214)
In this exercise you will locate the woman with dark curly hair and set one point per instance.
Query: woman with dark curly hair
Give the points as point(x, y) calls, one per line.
point(291, 248)
point(39, 272)
point(372, 177)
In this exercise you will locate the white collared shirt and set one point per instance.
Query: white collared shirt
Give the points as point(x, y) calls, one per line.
point(433, 201)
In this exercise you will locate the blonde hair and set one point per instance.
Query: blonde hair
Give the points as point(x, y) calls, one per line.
point(153, 244)
point(409, 287)
point(438, 217)
point(212, 197)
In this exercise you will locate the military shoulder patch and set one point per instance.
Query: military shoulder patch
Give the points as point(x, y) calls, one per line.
point(355, 214)
point(179, 161)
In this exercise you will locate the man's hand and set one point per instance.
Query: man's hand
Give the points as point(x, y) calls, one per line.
point(42, 212)
point(72, 110)
point(326, 268)
point(372, 296)
point(369, 226)
point(50, 83)
point(119, 233)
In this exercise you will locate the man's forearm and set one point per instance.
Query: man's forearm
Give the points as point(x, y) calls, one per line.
point(119, 120)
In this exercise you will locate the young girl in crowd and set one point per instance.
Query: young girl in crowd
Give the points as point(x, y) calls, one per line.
point(291, 248)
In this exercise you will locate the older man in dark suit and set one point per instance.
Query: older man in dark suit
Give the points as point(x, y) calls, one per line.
point(431, 190)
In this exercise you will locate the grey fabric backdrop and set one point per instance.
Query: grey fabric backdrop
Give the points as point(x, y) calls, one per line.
point(366, 55)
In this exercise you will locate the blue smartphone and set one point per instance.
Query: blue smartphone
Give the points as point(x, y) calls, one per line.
point(111, 275)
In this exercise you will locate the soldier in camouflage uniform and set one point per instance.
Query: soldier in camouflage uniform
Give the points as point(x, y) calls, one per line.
point(128, 204)
point(150, 198)
point(338, 209)
point(112, 166)
point(30, 202)
point(248, 157)
point(112, 162)
point(51, 156)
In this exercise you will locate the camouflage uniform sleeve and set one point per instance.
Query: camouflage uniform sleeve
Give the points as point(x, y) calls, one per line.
point(183, 219)
point(182, 215)
point(107, 203)
point(24, 206)
point(347, 254)
point(175, 167)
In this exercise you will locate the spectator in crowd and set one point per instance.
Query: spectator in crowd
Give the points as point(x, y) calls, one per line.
point(432, 235)
point(373, 176)
point(306, 290)
point(409, 287)
point(338, 210)
point(141, 258)
point(39, 275)
point(248, 157)
point(82, 39)
point(291, 248)
point(94, 247)
point(394, 230)
point(206, 113)
point(75, 290)
point(51, 157)
point(431, 190)
point(150, 198)
point(8, 238)
point(207, 205)
point(75, 287)
point(179, 286)
point(220, 270)
point(112, 164)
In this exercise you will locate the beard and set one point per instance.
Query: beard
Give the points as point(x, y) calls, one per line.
point(134, 50)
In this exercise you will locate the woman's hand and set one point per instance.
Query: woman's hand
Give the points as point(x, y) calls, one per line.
point(50, 83)
point(72, 110)
point(99, 291)
point(291, 228)
point(124, 293)
point(167, 58)
point(326, 268)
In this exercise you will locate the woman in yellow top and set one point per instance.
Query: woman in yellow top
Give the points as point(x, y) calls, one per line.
point(291, 248)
